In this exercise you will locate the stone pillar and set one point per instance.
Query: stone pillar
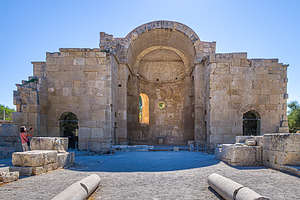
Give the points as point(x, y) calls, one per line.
point(284, 127)
point(188, 109)
point(200, 129)
point(121, 114)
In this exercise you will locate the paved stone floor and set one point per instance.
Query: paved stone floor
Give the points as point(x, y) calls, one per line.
point(153, 176)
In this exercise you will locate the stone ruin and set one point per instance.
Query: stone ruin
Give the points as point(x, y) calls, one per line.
point(9, 139)
point(47, 154)
point(278, 151)
point(159, 85)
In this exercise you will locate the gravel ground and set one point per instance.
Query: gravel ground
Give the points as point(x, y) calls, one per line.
point(153, 176)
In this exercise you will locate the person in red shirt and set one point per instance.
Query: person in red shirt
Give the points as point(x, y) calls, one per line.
point(24, 135)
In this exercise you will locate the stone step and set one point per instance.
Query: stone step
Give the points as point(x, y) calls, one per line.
point(34, 158)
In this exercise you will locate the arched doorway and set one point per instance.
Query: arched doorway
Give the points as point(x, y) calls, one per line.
point(251, 123)
point(68, 126)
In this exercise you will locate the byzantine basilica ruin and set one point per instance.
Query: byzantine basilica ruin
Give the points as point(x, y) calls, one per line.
point(160, 84)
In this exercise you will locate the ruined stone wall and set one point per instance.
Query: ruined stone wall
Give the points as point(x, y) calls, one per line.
point(121, 119)
point(80, 81)
point(39, 71)
point(9, 139)
point(238, 85)
point(205, 94)
point(281, 149)
point(27, 99)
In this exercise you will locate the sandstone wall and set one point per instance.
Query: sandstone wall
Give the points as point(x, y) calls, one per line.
point(27, 100)
point(121, 99)
point(205, 93)
point(238, 85)
point(80, 81)
point(281, 149)
point(9, 139)
point(113, 99)
point(201, 80)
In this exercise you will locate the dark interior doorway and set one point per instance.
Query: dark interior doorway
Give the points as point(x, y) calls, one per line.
point(251, 123)
point(68, 125)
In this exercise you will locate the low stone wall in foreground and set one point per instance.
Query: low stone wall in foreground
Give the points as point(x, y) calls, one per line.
point(48, 154)
point(278, 150)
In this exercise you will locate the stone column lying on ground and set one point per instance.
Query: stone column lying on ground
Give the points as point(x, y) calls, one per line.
point(90, 183)
point(223, 186)
point(248, 194)
point(80, 190)
point(231, 190)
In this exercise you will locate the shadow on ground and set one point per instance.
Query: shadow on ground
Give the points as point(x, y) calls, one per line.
point(215, 193)
point(245, 167)
point(5, 162)
point(144, 161)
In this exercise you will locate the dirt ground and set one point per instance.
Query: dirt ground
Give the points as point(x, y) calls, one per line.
point(153, 176)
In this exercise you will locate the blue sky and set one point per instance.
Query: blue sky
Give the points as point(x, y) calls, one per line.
point(29, 29)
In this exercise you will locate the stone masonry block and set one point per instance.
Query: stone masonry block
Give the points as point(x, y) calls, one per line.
point(38, 170)
point(240, 155)
point(250, 142)
point(50, 167)
point(65, 159)
point(259, 140)
point(4, 169)
point(246, 156)
point(242, 139)
point(282, 142)
point(9, 130)
point(59, 144)
point(34, 158)
point(23, 171)
point(7, 177)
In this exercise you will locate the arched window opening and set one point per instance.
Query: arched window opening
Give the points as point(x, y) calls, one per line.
point(143, 109)
point(251, 123)
point(68, 126)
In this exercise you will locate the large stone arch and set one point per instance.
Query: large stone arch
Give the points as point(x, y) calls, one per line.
point(172, 48)
point(164, 34)
point(163, 24)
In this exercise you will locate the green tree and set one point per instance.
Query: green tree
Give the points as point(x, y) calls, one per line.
point(294, 116)
point(8, 112)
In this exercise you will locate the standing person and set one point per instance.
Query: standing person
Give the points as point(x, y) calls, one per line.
point(24, 134)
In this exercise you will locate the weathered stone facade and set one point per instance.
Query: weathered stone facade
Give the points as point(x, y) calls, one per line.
point(204, 94)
